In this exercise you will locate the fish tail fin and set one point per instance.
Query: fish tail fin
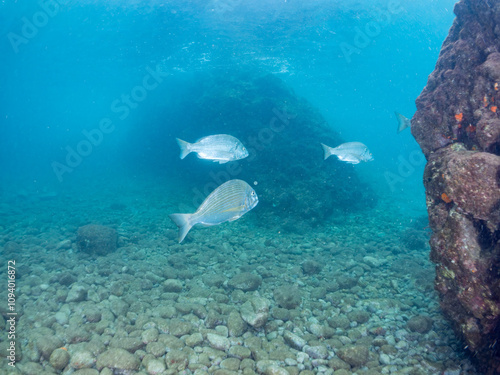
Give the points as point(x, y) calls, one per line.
point(184, 146)
point(183, 222)
point(327, 150)
point(403, 122)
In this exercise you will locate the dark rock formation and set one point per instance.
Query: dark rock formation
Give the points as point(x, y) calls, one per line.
point(457, 125)
point(96, 239)
point(296, 187)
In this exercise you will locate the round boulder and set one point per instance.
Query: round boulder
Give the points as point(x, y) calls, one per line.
point(96, 239)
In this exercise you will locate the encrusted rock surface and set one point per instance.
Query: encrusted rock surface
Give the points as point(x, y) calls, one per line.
point(457, 125)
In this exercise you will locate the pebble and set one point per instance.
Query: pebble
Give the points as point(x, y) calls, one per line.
point(172, 286)
point(77, 293)
point(239, 352)
point(255, 311)
point(59, 359)
point(245, 281)
point(61, 318)
point(355, 355)
point(218, 342)
point(293, 340)
point(384, 359)
point(401, 345)
point(194, 339)
point(155, 366)
point(82, 359)
point(235, 325)
point(117, 359)
point(47, 344)
point(232, 364)
point(149, 335)
point(302, 357)
point(317, 352)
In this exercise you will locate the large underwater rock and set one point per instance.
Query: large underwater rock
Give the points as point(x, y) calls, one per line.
point(297, 189)
point(457, 125)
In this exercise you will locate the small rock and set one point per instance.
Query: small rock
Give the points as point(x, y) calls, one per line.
point(118, 307)
point(293, 340)
point(316, 352)
point(155, 366)
point(245, 281)
point(218, 342)
point(374, 262)
point(66, 278)
point(288, 297)
point(194, 339)
point(156, 348)
point(61, 318)
point(232, 364)
point(281, 314)
point(275, 370)
point(358, 316)
point(172, 286)
point(59, 359)
point(311, 267)
point(338, 364)
point(64, 245)
point(77, 293)
point(47, 344)
point(90, 371)
point(340, 321)
point(384, 359)
point(96, 239)
point(265, 363)
point(82, 359)
point(180, 327)
point(92, 314)
point(130, 344)
point(213, 280)
point(117, 359)
point(176, 360)
point(239, 352)
point(255, 311)
point(346, 282)
point(149, 335)
point(235, 324)
point(420, 324)
point(355, 355)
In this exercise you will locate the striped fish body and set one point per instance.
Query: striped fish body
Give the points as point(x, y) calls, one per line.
point(219, 148)
point(350, 152)
point(228, 202)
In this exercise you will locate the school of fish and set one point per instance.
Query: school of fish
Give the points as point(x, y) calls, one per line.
point(234, 198)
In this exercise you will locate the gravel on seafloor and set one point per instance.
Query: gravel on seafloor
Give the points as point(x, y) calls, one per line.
point(349, 297)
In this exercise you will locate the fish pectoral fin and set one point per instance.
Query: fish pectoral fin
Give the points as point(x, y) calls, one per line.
point(235, 218)
point(222, 161)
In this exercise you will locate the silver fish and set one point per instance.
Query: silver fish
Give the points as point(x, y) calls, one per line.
point(228, 202)
point(350, 152)
point(403, 122)
point(219, 148)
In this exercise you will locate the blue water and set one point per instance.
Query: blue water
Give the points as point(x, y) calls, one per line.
point(62, 77)
point(91, 91)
